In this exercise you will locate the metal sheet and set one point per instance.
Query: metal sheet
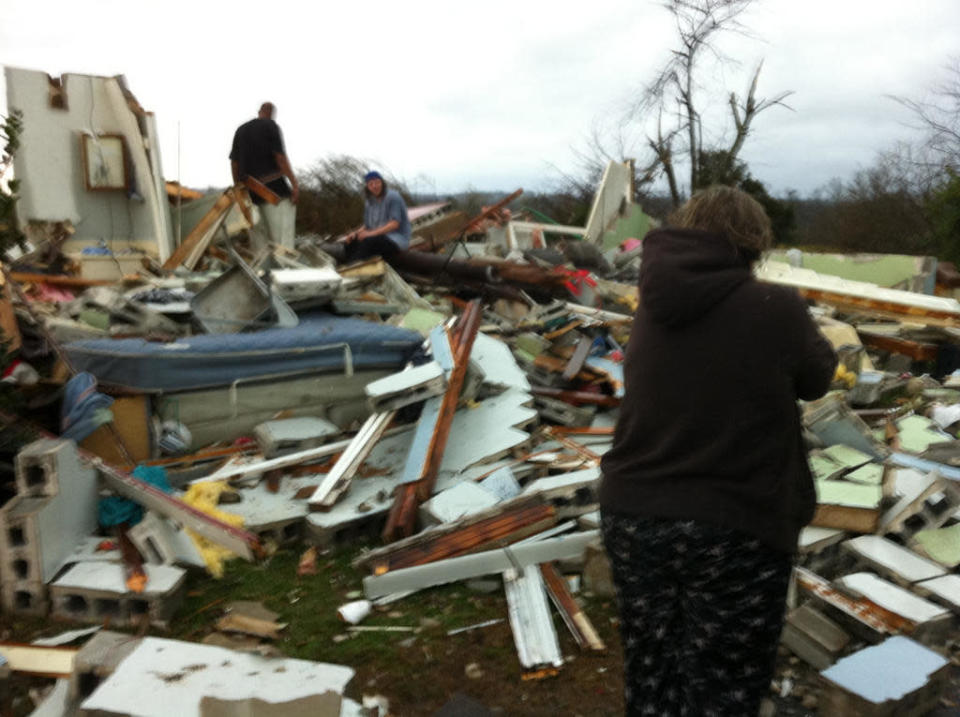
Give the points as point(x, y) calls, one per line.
point(533, 630)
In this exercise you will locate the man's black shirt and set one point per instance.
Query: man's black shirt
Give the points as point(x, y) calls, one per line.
point(254, 145)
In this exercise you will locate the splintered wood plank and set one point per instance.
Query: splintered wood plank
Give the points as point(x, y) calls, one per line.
point(201, 231)
point(41, 661)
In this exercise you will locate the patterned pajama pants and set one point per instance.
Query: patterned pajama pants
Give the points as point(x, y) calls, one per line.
point(701, 610)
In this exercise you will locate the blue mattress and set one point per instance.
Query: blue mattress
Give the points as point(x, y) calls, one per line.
point(321, 343)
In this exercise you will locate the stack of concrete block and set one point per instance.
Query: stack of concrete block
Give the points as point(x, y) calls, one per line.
point(54, 509)
point(96, 592)
point(923, 502)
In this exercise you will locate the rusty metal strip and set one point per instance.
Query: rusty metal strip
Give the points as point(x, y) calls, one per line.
point(491, 532)
point(388, 555)
point(575, 618)
point(578, 448)
point(862, 610)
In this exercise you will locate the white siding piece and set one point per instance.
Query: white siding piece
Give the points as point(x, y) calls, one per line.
point(886, 672)
point(497, 363)
point(944, 589)
point(422, 438)
point(241, 466)
point(169, 677)
point(465, 498)
point(487, 430)
point(564, 482)
point(892, 598)
point(812, 537)
point(502, 483)
point(471, 566)
point(530, 619)
point(889, 557)
point(440, 347)
point(338, 479)
point(407, 380)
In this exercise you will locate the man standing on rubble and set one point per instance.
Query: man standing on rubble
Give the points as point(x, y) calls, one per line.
point(386, 227)
point(258, 152)
point(707, 486)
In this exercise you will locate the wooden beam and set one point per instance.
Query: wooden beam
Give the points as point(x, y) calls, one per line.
point(917, 350)
point(261, 190)
point(573, 615)
point(199, 232)
point(934, 317)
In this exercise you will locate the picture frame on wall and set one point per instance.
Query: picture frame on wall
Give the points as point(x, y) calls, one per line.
point(105, 162)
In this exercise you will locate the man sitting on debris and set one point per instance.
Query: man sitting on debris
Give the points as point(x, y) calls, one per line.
point(386, 228)
point(258, 152)
point(707, 487)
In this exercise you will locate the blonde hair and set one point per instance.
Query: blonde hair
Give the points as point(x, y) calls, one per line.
point(728, 211)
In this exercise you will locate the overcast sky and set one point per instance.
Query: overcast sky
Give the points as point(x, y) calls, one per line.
point(485, 95)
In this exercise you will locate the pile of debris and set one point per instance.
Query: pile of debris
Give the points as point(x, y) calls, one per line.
point(455, 402)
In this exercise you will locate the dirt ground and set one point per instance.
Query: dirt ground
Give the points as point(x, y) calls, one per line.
point(423, 670)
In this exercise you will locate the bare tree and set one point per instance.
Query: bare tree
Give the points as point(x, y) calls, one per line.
point(671, 95)
point(938, 118)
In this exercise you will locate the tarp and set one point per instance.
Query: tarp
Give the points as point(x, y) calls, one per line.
point(322, 343)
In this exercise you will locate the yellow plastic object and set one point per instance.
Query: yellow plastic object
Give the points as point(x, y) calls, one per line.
point(205, 496)
point(845, 376)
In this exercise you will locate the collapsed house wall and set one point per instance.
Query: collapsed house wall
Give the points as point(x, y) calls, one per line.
point(611, 200)
point(89, 155)
point(892, 271)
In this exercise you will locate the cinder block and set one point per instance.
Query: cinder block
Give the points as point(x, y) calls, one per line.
point(98, 659)
point(95, 592)
point(284, 533)
point(40, 466)
point(23, 525)
point(813, 637)
point(597, 572)
point(56, 510)
point(25, 597)
point(293, 434)
point(160, 542)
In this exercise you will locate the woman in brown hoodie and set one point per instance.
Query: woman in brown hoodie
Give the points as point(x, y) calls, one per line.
point(706, 487)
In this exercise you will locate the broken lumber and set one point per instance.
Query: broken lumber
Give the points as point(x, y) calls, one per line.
point(40, 661)
point(245, 544)
point(503, 524)
point(338, 479)
point(573, 616)
point(203, 231)
point(402, 517)
point(471, 566)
